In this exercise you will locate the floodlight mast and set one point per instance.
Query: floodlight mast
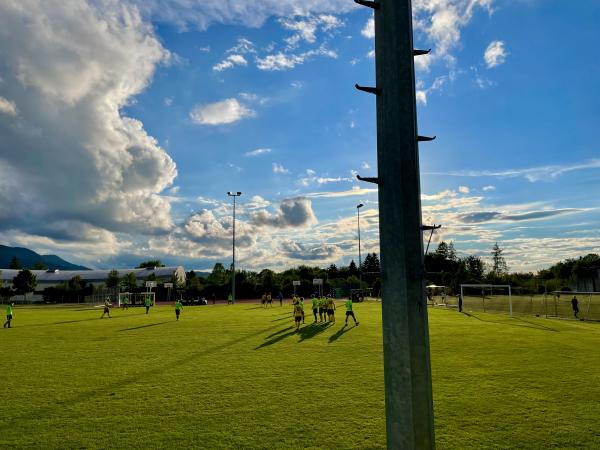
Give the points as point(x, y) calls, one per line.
point(360, 205)
point(234, 195)
point(407, 369)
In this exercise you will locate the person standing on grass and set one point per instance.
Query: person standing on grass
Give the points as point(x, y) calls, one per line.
point(263, 300)
point(322, 309)
point(9, 315)
point(301, 302)
point(106, 309)
point(298, 314)
point(230, 299)
point(280, 298)
point(330, 309)
point(125, 303)
point(349, 312)
point(147, 303)
point(178, 308)
point(575, 306)
point(459, 303)
point(315, 306)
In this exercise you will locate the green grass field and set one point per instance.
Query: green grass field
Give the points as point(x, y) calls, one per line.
point(240, 377)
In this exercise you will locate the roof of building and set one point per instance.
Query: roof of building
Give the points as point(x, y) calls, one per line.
point(59, 276)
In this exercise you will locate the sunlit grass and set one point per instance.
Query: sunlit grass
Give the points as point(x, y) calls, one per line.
point(241, 377)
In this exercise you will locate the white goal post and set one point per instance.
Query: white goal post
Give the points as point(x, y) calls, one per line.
point(488, 290)
point(136, 298)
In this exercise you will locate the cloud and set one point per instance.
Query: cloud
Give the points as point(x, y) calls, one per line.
point(319, 252)
point(258, 152)
point(368, 30)
point(495, 54)
point(202, 13)
point(71, 67)
point(421, 97)
point(489, 188)
point(305, 28)
point(219, 113)
point(354, 192)
point(168, 101)
point(365, 165)
point(463, 189)
point(293, 212)
point(488, 216)
point(287, 61)
point(532, 174)
point(7, 107)
point(243, 46)
point(229, 62)
point(278, 168)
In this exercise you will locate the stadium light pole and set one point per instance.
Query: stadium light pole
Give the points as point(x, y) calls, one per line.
point(234, 195)
point(360, 205)
point(406, 361)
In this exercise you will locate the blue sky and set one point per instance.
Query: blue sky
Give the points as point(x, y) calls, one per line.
point(124, 125)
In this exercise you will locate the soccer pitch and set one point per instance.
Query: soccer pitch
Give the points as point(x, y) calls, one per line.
point(240, 377)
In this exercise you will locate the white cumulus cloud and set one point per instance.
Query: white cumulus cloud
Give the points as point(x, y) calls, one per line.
point(495, 54)
point(223, 112)
point(7, 107)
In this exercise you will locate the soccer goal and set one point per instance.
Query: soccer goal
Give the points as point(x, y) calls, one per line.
point(487, 298)
point(136, 298)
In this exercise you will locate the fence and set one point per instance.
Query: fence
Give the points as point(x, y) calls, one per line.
point(549, 305)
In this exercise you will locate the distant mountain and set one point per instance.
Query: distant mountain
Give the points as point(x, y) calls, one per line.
point(28, 258)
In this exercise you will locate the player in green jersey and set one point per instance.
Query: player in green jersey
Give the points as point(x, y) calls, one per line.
point(178, 308)
point(349, 312)
point(301, 302)
point(315, 306)
point(9, 315)
point(147, 303)
point(125, 303)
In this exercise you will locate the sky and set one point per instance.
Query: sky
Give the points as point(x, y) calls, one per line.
point(123, 125)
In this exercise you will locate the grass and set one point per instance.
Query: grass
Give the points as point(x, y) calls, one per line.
point(240, 377)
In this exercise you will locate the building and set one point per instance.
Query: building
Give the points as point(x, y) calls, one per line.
point(50, 278)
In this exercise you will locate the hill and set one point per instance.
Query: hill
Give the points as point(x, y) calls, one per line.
point(28, 258)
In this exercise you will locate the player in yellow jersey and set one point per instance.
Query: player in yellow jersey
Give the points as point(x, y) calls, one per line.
point(322, 309)
point(298, 314)
point(330, 309)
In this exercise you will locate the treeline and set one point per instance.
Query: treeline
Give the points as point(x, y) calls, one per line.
point(445, 268)
point(251, 284)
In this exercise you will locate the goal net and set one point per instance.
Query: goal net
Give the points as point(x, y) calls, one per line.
point(135, 298)
point(559, 304)
point(487, 298)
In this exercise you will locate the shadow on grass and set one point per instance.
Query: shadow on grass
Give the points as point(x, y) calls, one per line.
point(279, 332)
point(146, 326)
point(289, 317)
point(535, 326)
point(312, 330)
point(101, 390)
point(340, 333)
point(277, 337)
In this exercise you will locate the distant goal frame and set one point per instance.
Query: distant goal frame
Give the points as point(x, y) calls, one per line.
point(489, 286)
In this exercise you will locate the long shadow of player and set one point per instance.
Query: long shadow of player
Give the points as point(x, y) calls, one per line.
point(340, 333)
point(535, 326)
point(146, 326)
point(311, 331)
point(280, 336)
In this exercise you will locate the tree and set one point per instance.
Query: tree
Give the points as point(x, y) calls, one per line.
point(475, 268)
point(352, 269)
point(113, 279)
point(75, 283)
point(129, 282)
point(451, 252)
point(25, 282)
point(150, 264)
point(442, 250)
point(499, 266)
point(39, 266)
point(15, 263)
point(218, 276)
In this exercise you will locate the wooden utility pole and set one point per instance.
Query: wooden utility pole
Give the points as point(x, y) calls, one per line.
point(407, 369)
